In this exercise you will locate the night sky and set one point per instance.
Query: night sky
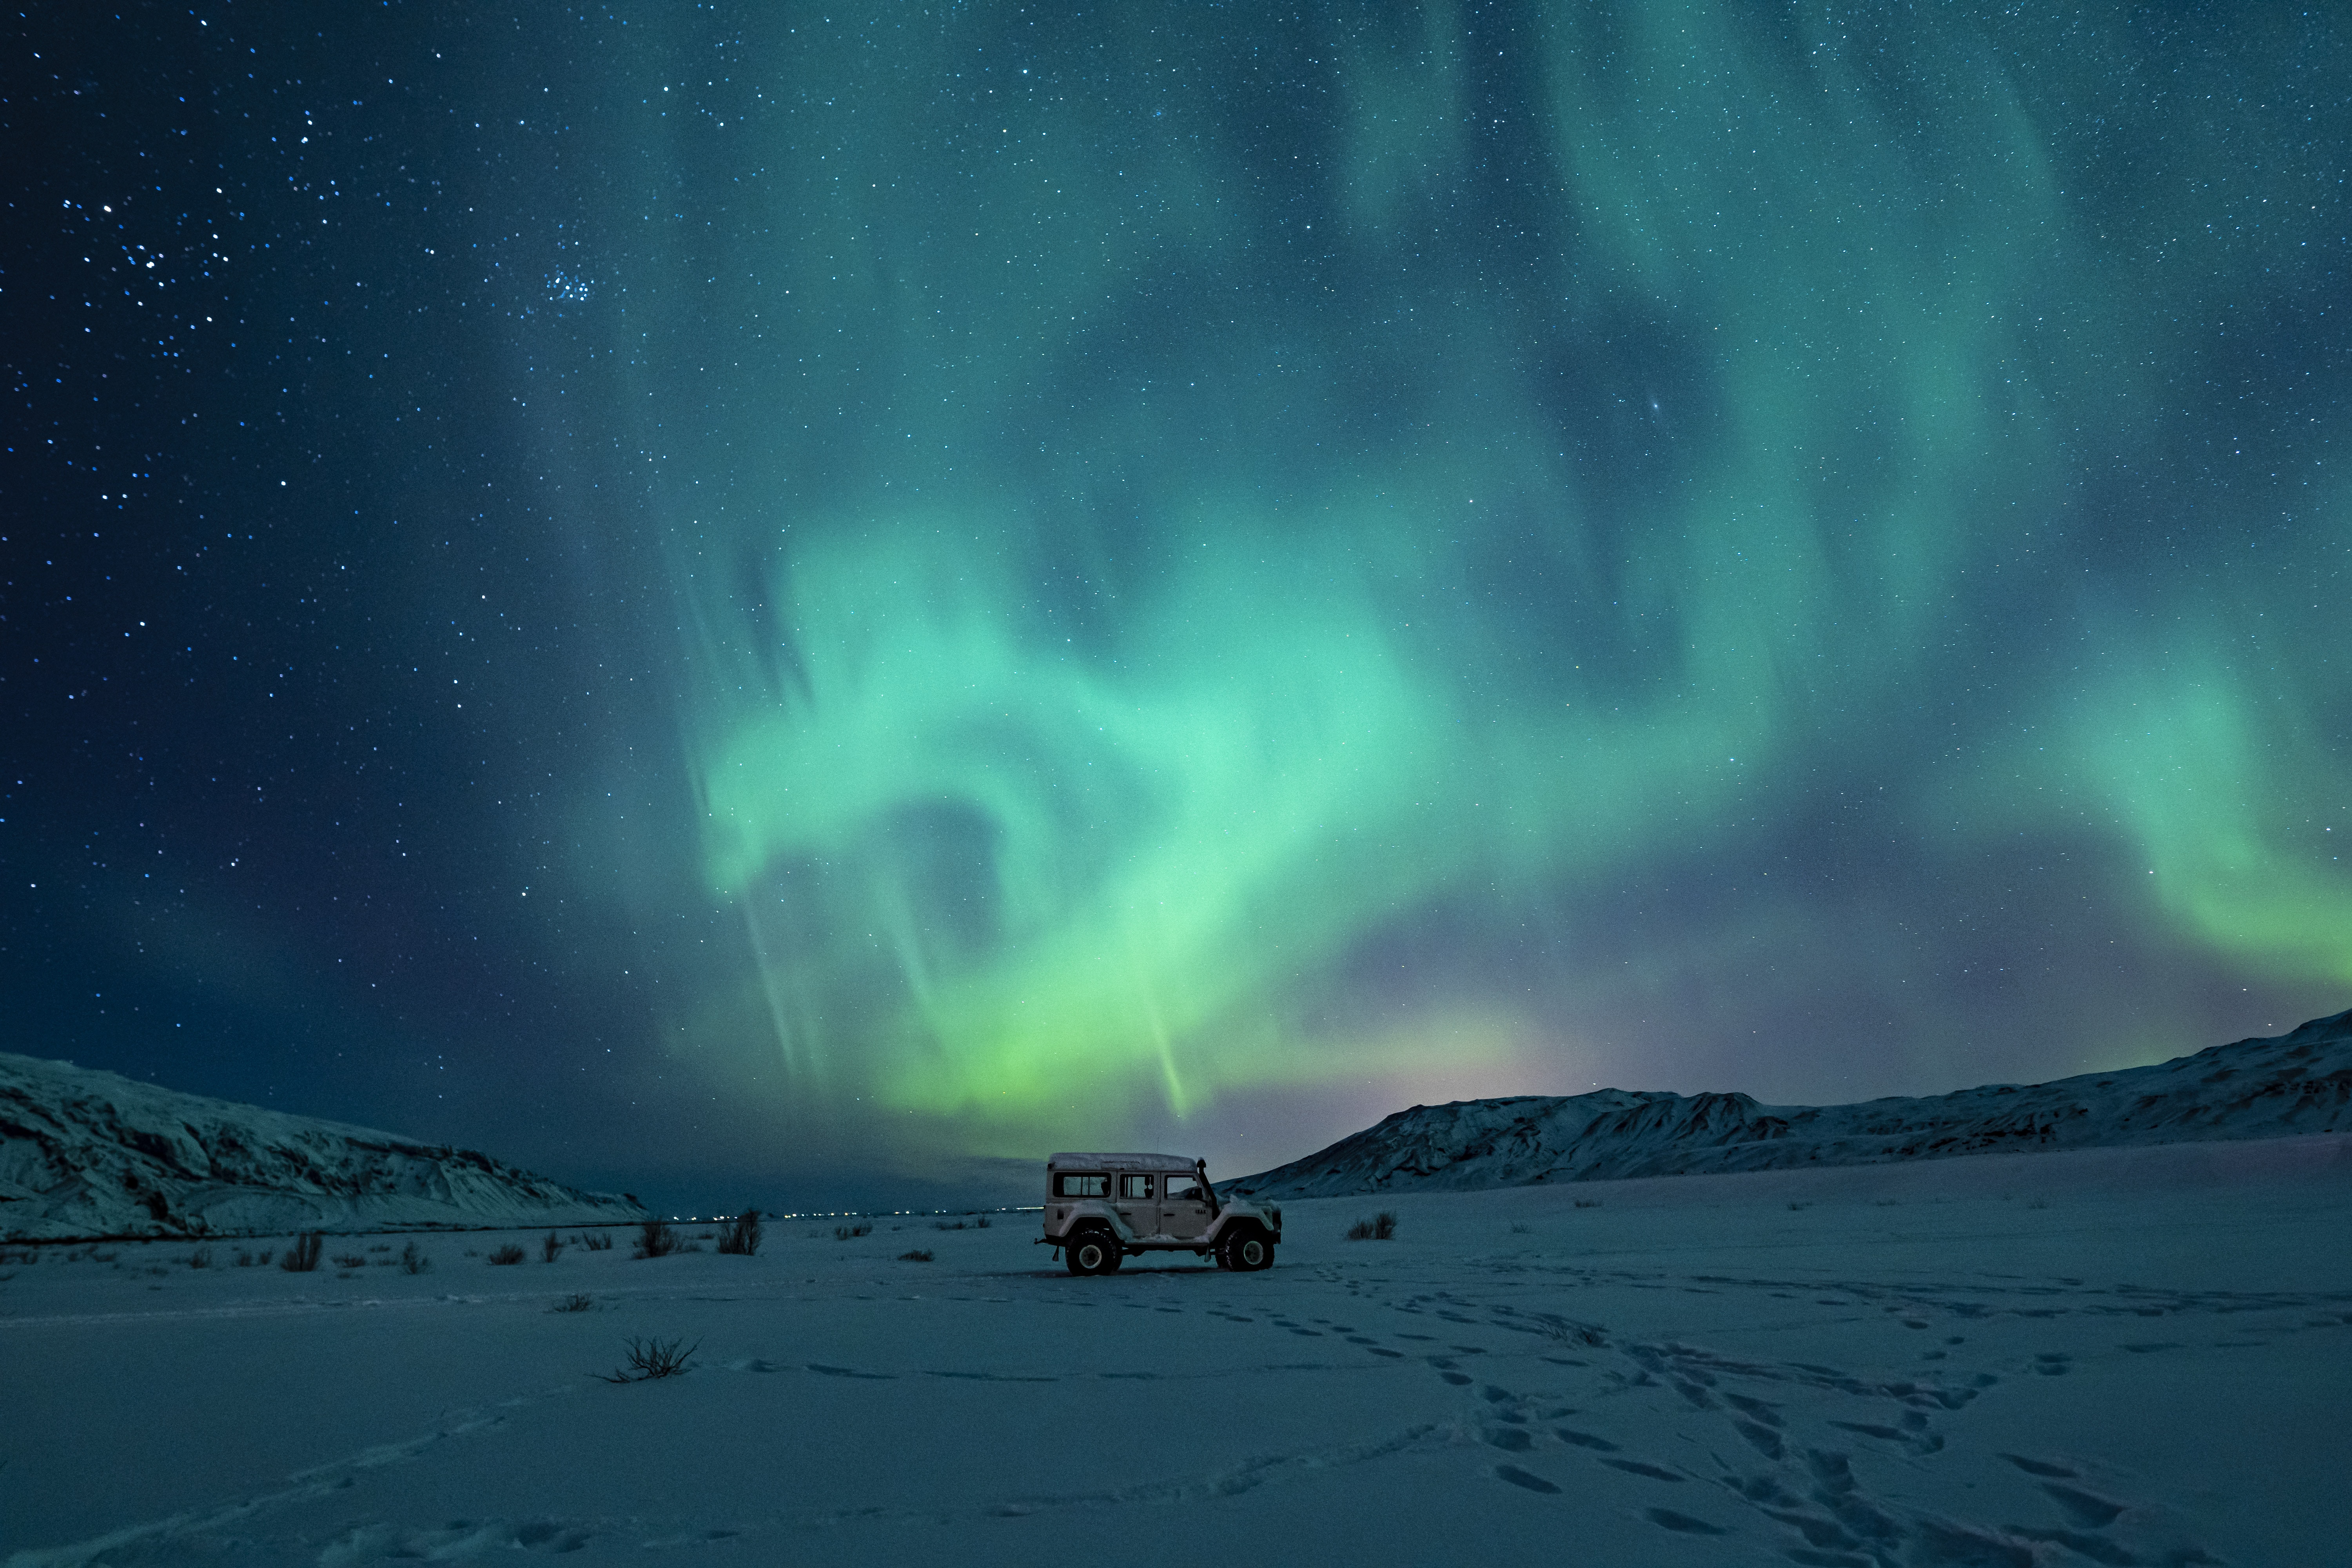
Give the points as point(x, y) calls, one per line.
point(758, 601)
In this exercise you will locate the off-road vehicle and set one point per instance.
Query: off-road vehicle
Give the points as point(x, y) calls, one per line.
point(1100, 1208)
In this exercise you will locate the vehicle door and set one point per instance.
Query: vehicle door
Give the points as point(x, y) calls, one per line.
point(1183, 1208)
point(1138, 1202)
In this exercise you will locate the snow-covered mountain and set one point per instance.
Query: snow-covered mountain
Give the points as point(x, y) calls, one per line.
point(2275, 1088)
point(89, 1154)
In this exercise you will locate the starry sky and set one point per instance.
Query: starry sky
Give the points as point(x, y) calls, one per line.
point(798, 601)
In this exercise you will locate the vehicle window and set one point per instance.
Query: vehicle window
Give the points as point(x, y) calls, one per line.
point(1135, 1186)
point(1078, 1186)
point(1183, 1189)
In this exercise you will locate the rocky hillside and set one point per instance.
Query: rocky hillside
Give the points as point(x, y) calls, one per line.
point(89, 1154)
point(2277, 1088)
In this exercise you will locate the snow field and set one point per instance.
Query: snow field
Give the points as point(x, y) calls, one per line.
point(2132, 1355)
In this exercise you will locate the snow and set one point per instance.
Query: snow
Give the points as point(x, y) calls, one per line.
point(2288, 1085)
point(2113, 1355)
point(91, 1153)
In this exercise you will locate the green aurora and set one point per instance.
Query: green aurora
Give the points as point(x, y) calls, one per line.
point(1166, 503)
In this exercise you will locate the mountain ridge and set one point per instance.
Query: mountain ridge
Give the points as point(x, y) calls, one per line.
point(2264, 1087)
point(85, 1153)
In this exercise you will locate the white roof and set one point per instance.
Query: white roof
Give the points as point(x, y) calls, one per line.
point(1117, 1162)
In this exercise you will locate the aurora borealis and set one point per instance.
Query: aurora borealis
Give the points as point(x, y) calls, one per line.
point(765, 590)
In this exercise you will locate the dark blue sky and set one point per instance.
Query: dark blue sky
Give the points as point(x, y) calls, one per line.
point(749, 603)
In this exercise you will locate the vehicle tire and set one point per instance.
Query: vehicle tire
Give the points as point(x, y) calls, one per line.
point(1248, 1251)
point(1111, 1263)
point(1091, 1252)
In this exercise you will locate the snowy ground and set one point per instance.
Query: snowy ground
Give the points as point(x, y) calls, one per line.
point(2114, 1356)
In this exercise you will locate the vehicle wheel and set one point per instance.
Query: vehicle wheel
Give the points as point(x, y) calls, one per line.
point(1249, 1252)
point(1091, 1252)
point(1112, 1259)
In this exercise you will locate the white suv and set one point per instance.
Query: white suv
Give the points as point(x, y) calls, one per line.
point(1101, 1207)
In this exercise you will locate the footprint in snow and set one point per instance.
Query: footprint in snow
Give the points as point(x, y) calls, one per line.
point(1636, 1468)
point(1519, 1477)
point(1682, 1523)
point(1584, 1440)
point(2083, 1508)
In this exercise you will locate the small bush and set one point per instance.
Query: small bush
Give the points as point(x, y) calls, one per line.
point(413, 1261)
point(851, 1232)
point(1379, 1227)
point(650, 1359)
point(576, 1302)
point(202, 1257)
point(506, 1255)
point(350, 1260)
point(381, 1246)
point(551, 1249)
point(1587, 1202)
point(919, 1255)
point(942, 1225)
point(980, 1223)
point(742, 1237)
point(656, 1239)
point(1569, 1332)
point(598, 1241)
point(303, 1256)
point(243, 1258)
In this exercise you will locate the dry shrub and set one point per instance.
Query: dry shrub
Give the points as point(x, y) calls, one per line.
point(551, 1249)
point(302, 1256)
point(413, 1261)
point(1569, 1330)
point(508, 1254)
point(920, 1255)
point(742, 1235)
point(649, 1359)
point(597, 1241)
point(656, 1239)
point(1379, 1227)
